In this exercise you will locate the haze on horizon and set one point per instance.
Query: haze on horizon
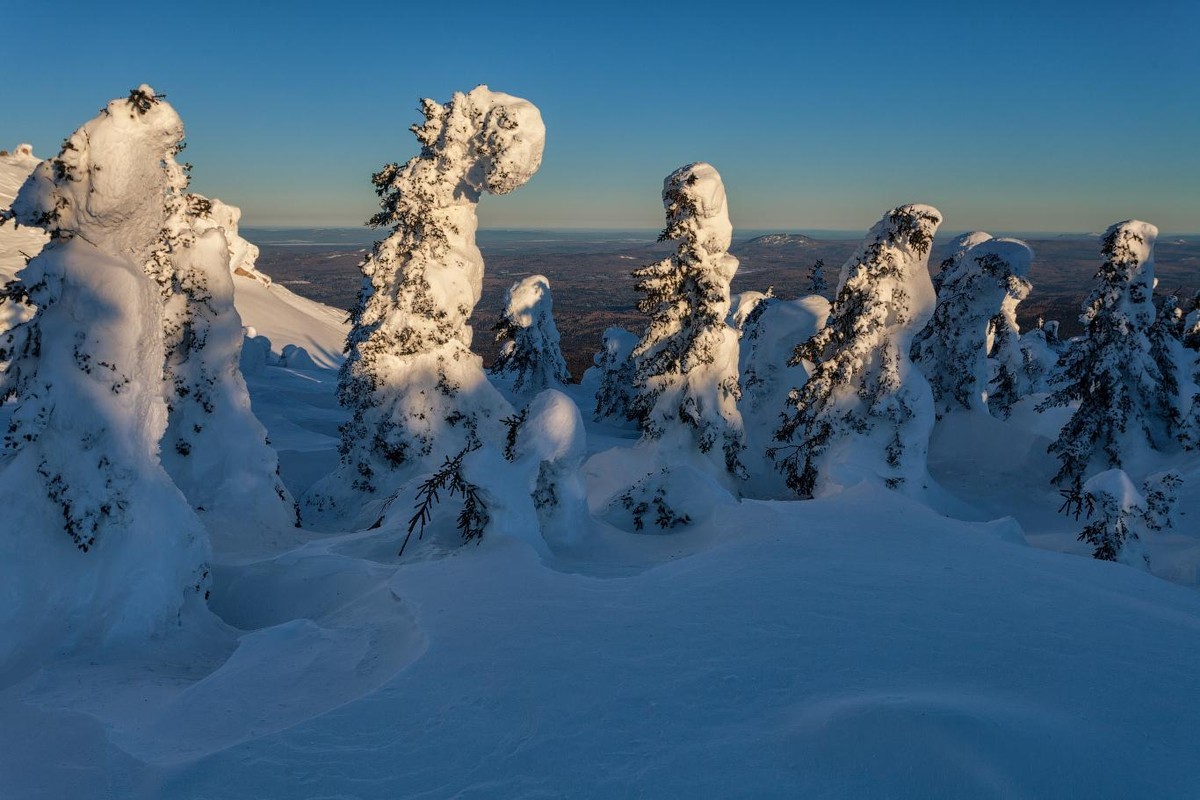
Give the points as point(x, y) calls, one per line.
point(1007, 116)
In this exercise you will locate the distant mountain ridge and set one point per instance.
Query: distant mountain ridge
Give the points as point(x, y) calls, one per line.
point(779, 240)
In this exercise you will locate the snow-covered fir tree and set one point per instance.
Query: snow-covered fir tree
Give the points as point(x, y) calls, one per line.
point(685, 366)
point(976, 315)
point(1123, 397)
point(610, 380)
point(215, 449)
point(1041, 349)
point(865, 412)
point(816, 278)
point(530, 354)
point(769, 335)
point(98, 541)
point(415, 391)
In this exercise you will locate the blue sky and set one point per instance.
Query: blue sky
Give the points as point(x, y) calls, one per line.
point(1006, 116)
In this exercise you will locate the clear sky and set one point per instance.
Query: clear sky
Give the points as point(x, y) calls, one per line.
point(1057, 116)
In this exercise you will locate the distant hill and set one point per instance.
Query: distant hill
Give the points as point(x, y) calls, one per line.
point(779, 240)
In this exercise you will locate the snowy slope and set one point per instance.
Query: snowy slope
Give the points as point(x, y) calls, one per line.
point(779, 652)
point(15, 243)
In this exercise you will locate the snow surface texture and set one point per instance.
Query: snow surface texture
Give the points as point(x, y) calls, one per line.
point(685, 381)
point(530, 355)
point(416, 392)
point(979, 288)
point(865, 411)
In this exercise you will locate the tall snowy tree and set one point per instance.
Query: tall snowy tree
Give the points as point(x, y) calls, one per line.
point(864, 411)
point(975, 314)
point(686, 364)
point(530, 354)
point(98, 542)
point(415, 391)
point(1123, 397)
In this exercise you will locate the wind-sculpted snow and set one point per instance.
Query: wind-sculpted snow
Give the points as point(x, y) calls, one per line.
point(865, 411)
point(685, 381)
point(979, 288)
point(97, 544)
point(415, 391)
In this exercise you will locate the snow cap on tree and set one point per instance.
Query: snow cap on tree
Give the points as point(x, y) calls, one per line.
point(530, 354)
point(415, 391)
point(120, 164)
point(864, 412)
point(685, 366)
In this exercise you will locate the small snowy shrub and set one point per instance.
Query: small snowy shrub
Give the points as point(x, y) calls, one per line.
point(816, 278)
point(685, 366)
point(1119, 516)
point(530, 354)
point(646, 501)
point(472, 518)
point(864, 409)
point(613, 376)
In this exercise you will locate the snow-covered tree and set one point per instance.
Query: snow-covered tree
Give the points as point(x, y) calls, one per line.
point(530, 354)
point(98, 542)
point(769, 334)
point(415, 391)
point(611, 379)
point(976, 315)
point(685, 366)
point(1041, 349)
point(865, 412)
point(215, 449)
point(1123, 400)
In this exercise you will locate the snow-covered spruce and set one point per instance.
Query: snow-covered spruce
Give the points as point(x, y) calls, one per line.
point(18, 243)
point(685, 366)
point(215, 449)
point(99, 543)
point(975, 315)
point(415, 391)
point(769, 334)
point(865, 412)
point(1124, 402)
point(610, 380)
point(816, 278)
point(530, 355)
point(1041, 349)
